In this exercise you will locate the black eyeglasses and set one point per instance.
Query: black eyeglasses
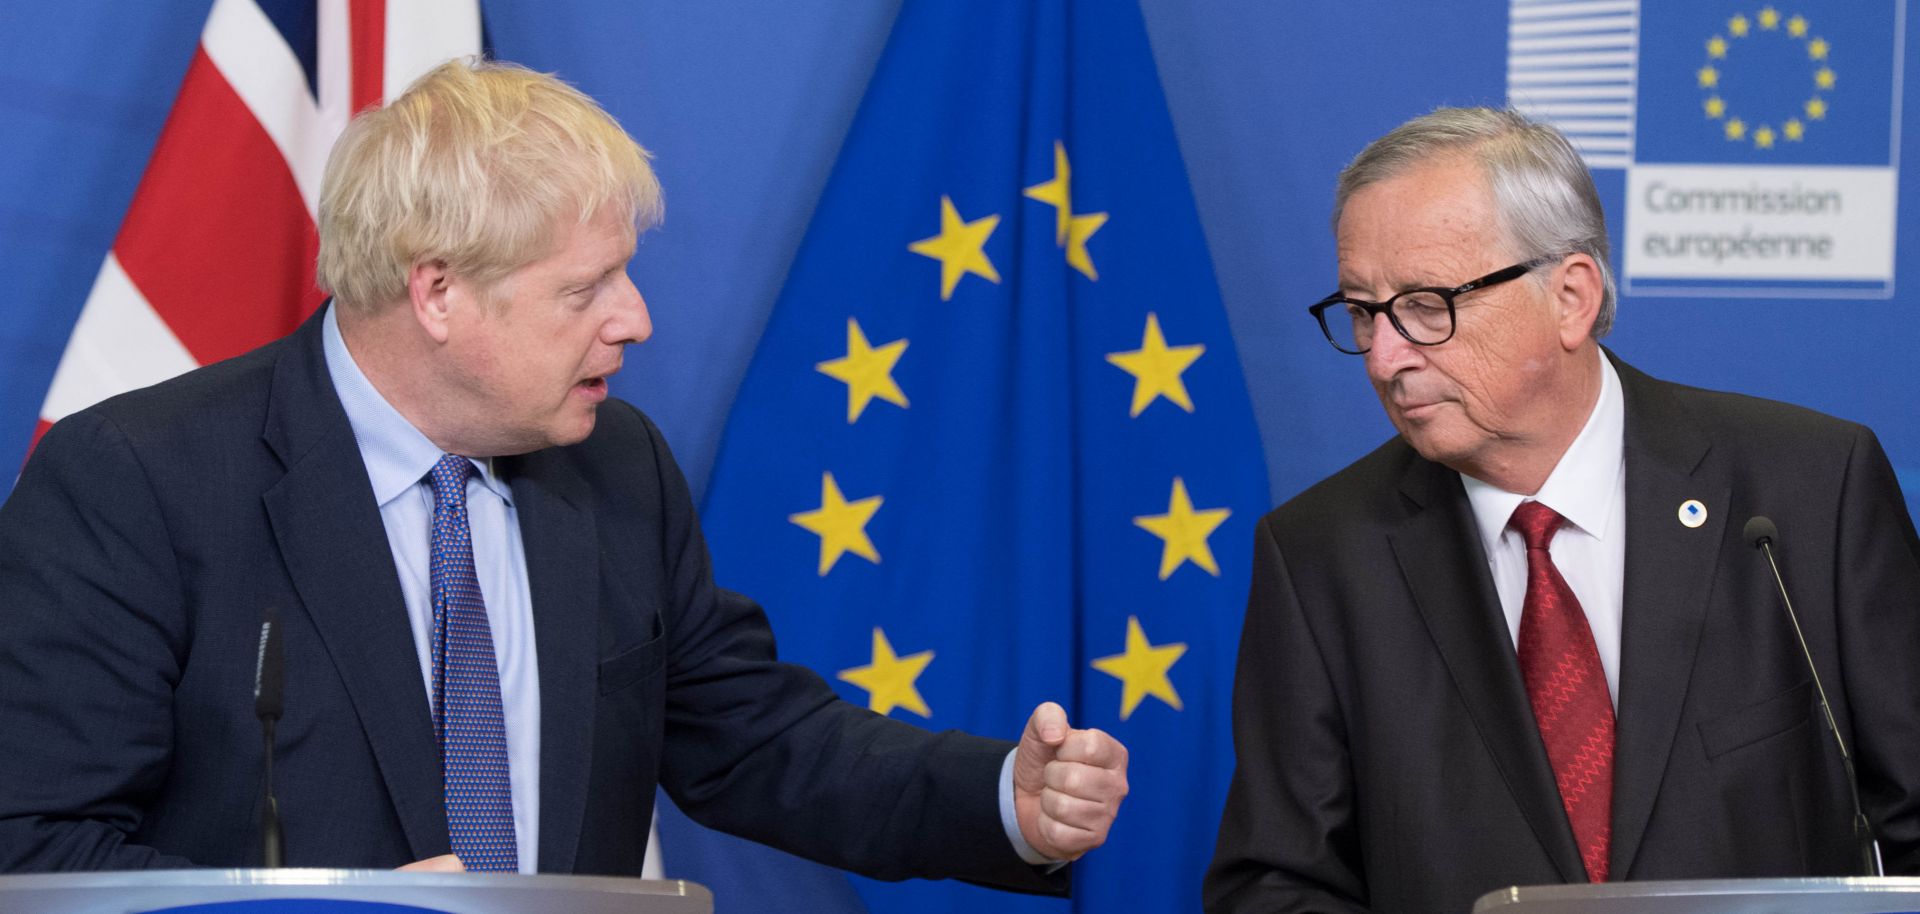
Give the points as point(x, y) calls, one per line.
point(1424, 316)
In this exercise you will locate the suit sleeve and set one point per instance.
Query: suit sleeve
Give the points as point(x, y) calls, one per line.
point(766, 750)
point(92, 635)
point(1288, 840)
point(1878, 579)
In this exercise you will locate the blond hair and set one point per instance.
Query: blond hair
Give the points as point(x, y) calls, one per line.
point(472, 166)
point(1543, 195)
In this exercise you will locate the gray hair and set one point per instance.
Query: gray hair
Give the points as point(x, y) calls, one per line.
point(1544, 199)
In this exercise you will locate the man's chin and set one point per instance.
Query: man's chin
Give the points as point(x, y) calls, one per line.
point(1430, 442)
point(575, 431)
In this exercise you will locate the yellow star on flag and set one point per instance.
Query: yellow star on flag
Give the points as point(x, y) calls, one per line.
point(1817, 108)
point(1716, 47)
point(1736, 129)
point(1184, 531)
point(840, 524)
point(1769, 18)
point(1070, 229)
point(1716, 106)
point(1142, 670)
point(1794, 130)
point(1738, 26)
point(1080, 228)
point(960, 248)
point(1709, 77)
point(1823, 77)
point(1797, 26)
point(1156, 368)
point(1763, 137)
point(1817, 49)
point(867, 372)
point(889, 680)
point(1058, 191)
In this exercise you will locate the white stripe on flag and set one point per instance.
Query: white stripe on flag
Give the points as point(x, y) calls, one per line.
point(333, 66)
point(422, 34)
point(118, 344)
point(256, 61)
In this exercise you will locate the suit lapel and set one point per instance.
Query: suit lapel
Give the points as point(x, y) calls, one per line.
point(335, 547)
point(1439, 553)
point(1669, 575)
point(563, 573)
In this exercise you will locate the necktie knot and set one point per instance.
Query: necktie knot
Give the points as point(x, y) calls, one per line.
point(1536, 523)
point(449, 480)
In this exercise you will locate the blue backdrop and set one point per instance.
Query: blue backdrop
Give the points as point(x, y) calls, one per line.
point(746, 103)
point(746, 106)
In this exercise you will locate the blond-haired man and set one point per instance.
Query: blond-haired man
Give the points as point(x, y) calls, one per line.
point(501, 630)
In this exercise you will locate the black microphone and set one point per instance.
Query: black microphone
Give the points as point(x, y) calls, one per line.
point(1760, 533)
point(269, 677)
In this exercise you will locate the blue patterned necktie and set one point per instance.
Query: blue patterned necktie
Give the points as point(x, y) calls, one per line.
point(466, 687)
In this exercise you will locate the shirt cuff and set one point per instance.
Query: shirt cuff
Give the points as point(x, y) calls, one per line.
point(1010, 821)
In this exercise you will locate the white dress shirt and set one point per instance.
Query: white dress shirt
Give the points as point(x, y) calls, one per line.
point(1588, 487)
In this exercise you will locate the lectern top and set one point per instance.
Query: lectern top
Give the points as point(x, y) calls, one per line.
point(443, 893)
point(1838, 895)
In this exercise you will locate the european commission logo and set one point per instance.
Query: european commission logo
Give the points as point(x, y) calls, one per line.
point(1760, 140)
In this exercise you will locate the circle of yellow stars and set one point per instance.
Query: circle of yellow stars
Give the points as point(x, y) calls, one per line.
point(1158, 372)
point(1710, 77)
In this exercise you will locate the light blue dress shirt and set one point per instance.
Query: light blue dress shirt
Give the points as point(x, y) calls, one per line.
point(398, 458)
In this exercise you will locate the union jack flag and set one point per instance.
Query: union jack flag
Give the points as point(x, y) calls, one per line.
point(216, 254)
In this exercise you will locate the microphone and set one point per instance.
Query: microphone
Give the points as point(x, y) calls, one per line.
point(269, 677)
point(1760, 533)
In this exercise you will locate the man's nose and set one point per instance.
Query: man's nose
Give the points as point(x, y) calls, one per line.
point(632, 323)
point(1389, 352)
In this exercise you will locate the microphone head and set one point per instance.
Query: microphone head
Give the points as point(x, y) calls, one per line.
point(268, 672)
point(1759, 531)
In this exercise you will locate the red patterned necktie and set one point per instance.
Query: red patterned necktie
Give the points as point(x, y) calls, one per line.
point(1568, 690)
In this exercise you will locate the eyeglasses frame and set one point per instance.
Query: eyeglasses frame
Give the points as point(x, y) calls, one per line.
point(1505, 274)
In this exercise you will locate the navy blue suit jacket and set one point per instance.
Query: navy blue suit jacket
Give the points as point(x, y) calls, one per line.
point(147, 534)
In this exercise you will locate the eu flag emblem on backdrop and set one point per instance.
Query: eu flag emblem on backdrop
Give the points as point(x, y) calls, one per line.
point(1757, 83)
point(995, 447)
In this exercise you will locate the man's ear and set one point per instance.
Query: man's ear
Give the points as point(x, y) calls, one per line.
point(429, 291)
point(1577, 289)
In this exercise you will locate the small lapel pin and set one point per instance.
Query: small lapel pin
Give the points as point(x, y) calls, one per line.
point(1692, 513)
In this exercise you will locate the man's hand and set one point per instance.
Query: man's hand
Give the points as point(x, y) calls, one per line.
point(1067, 784)
point(445, 863)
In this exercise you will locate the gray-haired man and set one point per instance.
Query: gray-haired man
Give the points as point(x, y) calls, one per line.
point(1524, 641)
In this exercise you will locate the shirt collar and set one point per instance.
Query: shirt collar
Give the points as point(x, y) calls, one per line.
point(1585, 483)
point(396, 454)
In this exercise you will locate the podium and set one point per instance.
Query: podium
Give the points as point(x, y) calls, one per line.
point(345, 892)
point(1834, 895)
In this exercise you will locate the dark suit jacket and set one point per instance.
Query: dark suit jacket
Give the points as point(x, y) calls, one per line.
point(147, 534)
point(1387, 756)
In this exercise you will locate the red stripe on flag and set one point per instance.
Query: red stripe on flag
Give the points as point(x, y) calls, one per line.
point(39, 430)
point(368, 29)
point(217, 238)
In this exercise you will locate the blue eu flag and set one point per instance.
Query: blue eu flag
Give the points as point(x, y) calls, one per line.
point(995, 447)
point(1737, 82)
